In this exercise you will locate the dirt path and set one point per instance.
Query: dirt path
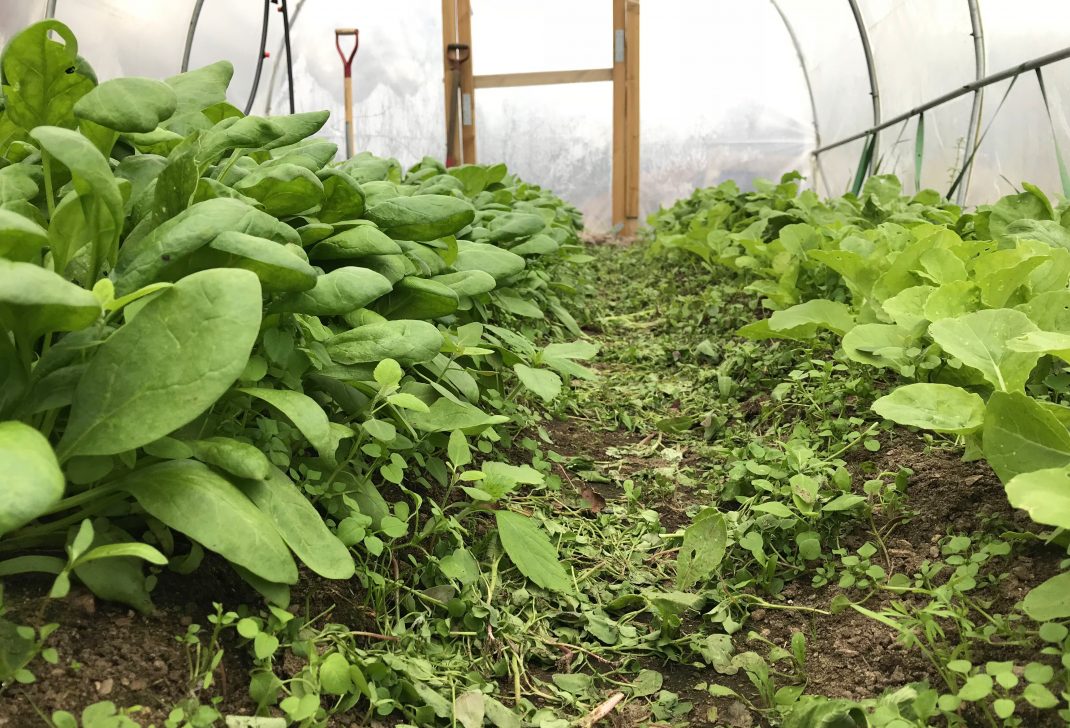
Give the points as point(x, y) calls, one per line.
point(680, 408)
point(848, 655)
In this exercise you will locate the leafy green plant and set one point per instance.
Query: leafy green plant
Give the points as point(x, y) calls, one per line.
point(19, 646)
point(302, 330)
point(856, 571)
point(104, 714)
point(968, 307)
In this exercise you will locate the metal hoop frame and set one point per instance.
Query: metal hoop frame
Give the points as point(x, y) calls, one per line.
point(972, 136)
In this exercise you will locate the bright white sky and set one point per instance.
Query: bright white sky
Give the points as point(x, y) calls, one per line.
point(722, 91)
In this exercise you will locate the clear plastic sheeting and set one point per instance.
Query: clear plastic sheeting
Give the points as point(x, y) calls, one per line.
point(922, 50)
point(1020, 145)
point(1016, 32)
point(722, 97)
point(122, 38)
point(212, 34)
point(837, 168)
point(398, 93)
point(17, 15)
point(943, 147)
point(510, 36)
point(723, 88)
point(931, 45)
point(397, 73)
point(832, 52)
point(557, 136)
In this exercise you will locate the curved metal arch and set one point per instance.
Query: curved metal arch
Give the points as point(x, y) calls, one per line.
point(809, 90)
point(278, 58)
point(289, 52)
point(287, 23)
point(259, 57)
point(194, 18)
point(871, 69)
point(980, 63)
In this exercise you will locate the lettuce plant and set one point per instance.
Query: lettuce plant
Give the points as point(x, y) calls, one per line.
point(970, 310)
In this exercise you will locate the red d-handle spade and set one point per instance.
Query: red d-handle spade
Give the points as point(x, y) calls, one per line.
point(347, 69)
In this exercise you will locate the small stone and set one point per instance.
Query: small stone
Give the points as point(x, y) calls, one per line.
point(738, 715)
point(104, 687)
point(758, 615)
point(83, 601)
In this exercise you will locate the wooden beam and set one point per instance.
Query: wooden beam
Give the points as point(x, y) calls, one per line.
point(468, 87)
point(631, 72)
point(619, 91)
point(449, 35)
point(543, 78)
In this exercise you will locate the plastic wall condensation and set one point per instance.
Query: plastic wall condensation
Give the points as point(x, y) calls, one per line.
point(923, 50)
point(723, 94)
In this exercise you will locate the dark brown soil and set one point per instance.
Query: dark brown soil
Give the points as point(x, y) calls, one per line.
point(608, 238)
point(575, 437)
point(110, 652)
point(850, 655)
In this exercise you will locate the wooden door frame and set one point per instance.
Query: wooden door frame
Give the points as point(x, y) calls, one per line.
point(624, 74)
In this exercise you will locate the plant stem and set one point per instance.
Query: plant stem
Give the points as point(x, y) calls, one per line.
point(851, 444)
point(31, 536)
point(86, 496)
point(787, 607)
point(46, 163)
point(234, 156)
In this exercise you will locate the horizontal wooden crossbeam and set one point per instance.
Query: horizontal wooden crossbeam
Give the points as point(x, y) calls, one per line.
point(543, 78)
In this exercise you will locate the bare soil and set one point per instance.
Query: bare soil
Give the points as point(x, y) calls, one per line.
point(849, 655)
point(110, 652)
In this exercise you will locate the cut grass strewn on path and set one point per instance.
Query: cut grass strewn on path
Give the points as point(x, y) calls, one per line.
point(683, 417)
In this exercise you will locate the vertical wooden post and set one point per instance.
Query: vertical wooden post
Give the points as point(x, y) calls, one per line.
point(449, 35)
point(468, 86)
point(619, 92)
point(631, 72)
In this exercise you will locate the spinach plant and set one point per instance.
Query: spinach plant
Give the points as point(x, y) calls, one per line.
point(215, 337)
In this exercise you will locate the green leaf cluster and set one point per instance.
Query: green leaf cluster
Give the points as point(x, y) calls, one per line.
point(223, 338)
point(969, 310)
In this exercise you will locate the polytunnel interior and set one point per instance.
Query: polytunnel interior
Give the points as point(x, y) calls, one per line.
point(301, 427)
point(729, 90)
